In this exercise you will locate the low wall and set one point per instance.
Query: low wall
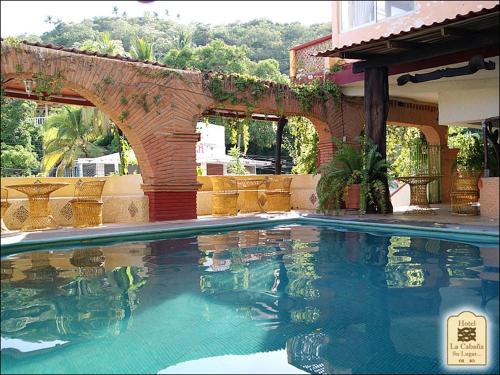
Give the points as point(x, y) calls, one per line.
point(488, 197)
point(125, 202)
point(302, 190)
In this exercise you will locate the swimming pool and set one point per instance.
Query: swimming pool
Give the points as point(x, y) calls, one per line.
point(284, 298)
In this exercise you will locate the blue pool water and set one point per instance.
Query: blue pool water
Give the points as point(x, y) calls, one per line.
point(288, 299)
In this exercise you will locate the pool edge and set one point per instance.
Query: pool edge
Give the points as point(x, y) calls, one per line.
point(461, 235)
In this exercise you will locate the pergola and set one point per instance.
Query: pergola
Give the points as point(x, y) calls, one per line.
point(465, 38)
point(156, 108)
point(452, 40)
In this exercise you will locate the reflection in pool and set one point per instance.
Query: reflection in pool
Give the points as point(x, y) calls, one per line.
point(317, 299)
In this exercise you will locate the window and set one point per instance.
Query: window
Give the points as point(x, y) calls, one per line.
point(359, 13)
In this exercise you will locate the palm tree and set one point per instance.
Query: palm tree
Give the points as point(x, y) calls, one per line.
point(142, 50)
point(183, 39)
point(48, 19)
point(115, 10)
point(68, 135)
point(103, 44)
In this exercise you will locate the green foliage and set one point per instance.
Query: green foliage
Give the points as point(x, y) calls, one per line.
point(316, 90)
point(264, 39)
point(343, 170)
point(373, 173)
point(46, 85)
point(235, 166)
point(20, 138)
point(17, 161)
point(101, 44)
point(142, 50)
point(68, 134)
point(351, 166)
point(400, 143)
point(302, 145)
point(470, 144)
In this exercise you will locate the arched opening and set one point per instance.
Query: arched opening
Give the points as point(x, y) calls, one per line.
point(73, 96)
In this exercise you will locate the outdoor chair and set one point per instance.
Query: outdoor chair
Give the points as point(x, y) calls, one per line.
point(87, 204)
point(277, 193)
point(224, 196)
point(465, 193)
point(5, 206)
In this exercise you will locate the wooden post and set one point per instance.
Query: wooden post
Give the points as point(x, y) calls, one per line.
point(376, 111)
point(484, 125)
point(279, 138)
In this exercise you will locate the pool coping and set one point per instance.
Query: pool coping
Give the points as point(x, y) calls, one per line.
point(155, 231)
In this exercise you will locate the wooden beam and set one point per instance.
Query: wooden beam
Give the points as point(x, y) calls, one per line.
point(475, 63)
point(376, 107)
point(358, 55)
point(447, 31)
point(18, 94)
point(401, 44)
point(486, 38)
point(279, 138)
point(257, 117)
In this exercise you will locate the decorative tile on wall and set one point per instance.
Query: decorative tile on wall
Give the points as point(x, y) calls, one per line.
point(132, 209)
point(21, 214)
point(67, 211)
point(313, 198)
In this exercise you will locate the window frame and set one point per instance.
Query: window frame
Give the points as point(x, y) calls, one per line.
point(375, 21)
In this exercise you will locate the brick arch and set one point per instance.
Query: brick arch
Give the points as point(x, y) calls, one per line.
point(135, 143)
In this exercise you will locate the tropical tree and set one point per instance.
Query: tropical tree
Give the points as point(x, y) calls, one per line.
point(67, 135)
point(142, 50)
point(20, 138)
point(102, 44)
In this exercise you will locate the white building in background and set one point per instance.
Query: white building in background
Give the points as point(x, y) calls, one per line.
point(211, 151)
point(210, 156)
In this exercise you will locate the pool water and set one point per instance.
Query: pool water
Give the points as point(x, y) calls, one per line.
point(287, 299)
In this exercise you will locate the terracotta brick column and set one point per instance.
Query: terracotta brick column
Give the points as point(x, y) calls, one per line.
point(172, 190)
point(325, 152)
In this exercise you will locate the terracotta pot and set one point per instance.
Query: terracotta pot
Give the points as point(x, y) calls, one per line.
point(352, 199)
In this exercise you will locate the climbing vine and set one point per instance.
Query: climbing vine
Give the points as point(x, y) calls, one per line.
point(46, 85)
point(248, 90)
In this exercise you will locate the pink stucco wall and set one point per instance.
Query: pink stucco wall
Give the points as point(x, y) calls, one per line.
point(488, 197)
point(426, 12)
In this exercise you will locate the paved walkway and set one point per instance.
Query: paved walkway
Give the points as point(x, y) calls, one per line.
point(443, 220)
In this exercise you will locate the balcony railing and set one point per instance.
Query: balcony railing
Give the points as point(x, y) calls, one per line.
point(303, 64)
point(38, 120)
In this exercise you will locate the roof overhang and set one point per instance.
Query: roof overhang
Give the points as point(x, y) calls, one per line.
point(464, 32)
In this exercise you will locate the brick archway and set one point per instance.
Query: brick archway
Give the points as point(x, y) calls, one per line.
point(157, 109)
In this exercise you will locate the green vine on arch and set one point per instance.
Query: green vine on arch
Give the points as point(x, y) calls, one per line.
point(244, 85)
point(47, 85)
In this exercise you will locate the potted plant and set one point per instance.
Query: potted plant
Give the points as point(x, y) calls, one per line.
point(355, 177)
point(341, 179)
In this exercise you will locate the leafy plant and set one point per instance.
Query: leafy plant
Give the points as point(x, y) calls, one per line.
point(344, 170)
point(469, 143)
point(352, 166)
point(235, 166)
point(373, 173)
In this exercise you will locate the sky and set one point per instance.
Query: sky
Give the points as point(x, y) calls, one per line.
point(19, 17)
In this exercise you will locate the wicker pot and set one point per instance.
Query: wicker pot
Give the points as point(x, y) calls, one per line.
point(466, 180)
point(352, 199)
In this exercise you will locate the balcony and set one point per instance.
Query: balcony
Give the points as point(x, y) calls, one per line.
point(304, 66)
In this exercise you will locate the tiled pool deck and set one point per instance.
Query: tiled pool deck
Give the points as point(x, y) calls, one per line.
point(441, 223)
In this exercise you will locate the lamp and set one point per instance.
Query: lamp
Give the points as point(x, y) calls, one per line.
point(28, 86)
